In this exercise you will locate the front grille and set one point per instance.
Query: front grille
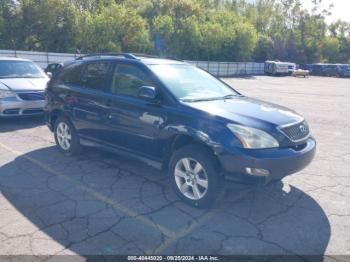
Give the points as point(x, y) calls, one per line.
point(296, 132)
point(11, 111)
point(32, 111)
point(32, 96)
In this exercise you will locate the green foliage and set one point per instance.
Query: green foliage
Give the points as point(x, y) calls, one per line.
point(330, 49)
point(220, 35)
point(264, 48)
point(225, 30)
point(115, 28)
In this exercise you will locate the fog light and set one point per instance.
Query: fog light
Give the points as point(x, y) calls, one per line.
point(257, 171)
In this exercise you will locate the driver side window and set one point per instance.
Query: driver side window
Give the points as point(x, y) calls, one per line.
point(127, 79)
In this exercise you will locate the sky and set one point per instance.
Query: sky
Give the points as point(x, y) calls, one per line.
point(341, 9)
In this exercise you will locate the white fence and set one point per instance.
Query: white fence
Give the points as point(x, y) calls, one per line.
point(221, 69)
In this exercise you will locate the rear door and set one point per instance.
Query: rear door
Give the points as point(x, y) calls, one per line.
point(89, 101)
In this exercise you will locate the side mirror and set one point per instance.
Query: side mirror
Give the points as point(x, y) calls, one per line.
point(49, 74)
point(147, 92)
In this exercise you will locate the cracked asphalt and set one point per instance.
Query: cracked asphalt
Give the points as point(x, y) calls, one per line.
point(103, 204)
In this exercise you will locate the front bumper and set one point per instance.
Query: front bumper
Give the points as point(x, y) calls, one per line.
point(279, 162)
point(14, 107)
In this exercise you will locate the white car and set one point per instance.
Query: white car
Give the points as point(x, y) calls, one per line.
point(22, 86)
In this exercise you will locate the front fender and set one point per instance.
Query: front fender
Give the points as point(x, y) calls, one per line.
point(197, 135)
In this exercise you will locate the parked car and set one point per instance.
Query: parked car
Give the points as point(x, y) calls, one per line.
point(53, 68)
point(344, 70)
point(22, 85)
point(176, 117)
point(300, 72)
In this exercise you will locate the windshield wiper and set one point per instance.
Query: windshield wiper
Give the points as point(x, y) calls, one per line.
point(229, 96)
point(199, 99)
point(211, 98)
point(10, 76)
point(31, 76)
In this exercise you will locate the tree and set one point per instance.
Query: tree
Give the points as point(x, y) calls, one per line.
point(264, 49)
point(227, 30)
point(115, 28)
point(37, 25)
point(339, 29)
point(344, 52)
point(330, 49)
point(92, 6)
point(9, 24)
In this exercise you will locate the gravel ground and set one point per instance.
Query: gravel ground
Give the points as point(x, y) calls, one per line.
point(104, 204)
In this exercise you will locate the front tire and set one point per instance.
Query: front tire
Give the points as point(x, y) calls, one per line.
point(66, 137)
point(194, 176)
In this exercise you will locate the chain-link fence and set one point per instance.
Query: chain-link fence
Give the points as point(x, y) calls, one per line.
point(222, 69)
point(40, 58)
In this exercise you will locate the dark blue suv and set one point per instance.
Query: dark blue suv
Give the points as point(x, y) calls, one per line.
point(176, 117)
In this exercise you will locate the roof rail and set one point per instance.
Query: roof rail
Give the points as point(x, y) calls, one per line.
point(126, 55)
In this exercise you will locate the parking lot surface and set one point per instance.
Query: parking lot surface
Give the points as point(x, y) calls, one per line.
point(103, 204)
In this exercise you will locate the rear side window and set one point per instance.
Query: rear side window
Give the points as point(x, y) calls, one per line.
point(127, 79)
point(97, 75)
point(71, 75)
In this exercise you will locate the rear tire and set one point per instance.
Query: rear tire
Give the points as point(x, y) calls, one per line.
point(194, 175)
point(66, 137)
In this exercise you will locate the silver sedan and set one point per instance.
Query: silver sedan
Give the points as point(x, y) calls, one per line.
point(22, 86)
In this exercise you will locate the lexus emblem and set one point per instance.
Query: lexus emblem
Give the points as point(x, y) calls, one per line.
point(302, 129)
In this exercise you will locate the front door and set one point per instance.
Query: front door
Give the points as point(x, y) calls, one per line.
point(135, 122)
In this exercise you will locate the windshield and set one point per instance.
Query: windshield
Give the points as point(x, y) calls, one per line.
point(20, 69)
point(190, 84)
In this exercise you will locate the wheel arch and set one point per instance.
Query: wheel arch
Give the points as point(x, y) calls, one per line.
point(55, 114)
point(181, 140)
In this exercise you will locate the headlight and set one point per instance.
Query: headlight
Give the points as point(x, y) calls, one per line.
point(253, 138)
point(6, 93)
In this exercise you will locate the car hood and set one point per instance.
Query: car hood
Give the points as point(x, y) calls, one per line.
point(248, 111)
point(23, 84)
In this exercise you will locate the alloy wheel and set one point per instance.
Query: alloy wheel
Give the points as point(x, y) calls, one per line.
point(191, 178)
point(64, 136)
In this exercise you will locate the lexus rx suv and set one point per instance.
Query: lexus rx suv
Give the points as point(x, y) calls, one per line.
point(175, 117)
